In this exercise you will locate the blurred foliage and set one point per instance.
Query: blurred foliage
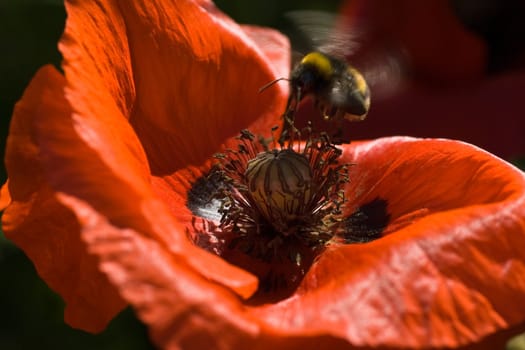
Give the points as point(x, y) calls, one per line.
point(29, 32)
point(519, 162)
point(500, 23)
point(271, 13)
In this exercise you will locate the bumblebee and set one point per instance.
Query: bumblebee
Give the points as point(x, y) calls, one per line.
point(339, 91)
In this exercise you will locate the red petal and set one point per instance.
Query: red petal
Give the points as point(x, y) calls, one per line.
point(444, 280)
point(195, 73)
point(5, 197)
point(183, 308)
point(86, 150)
point(430, 284)
point(156, 70)
point(36, 221)
point(79, 155)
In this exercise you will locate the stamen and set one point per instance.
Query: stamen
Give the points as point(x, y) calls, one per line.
point(280, 206)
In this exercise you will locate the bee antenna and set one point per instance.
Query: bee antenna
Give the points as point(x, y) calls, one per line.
point(266, 86)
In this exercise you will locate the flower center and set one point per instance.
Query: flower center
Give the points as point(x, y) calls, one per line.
point(280, 186)
point(279, 207)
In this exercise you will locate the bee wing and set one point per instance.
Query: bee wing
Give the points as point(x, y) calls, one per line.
point(384, 72)
point(323, 31)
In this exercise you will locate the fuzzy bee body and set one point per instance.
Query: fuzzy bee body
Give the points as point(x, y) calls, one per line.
point(339, 90)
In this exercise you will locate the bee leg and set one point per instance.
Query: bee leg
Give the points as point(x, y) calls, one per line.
point(287, 120)
point(337, 137)
point(289, 130)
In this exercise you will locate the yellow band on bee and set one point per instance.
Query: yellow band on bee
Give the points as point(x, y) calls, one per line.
point(359, 80)
point(320, 61)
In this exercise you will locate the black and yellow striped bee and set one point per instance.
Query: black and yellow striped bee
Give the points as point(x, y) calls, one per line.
point(339, 91)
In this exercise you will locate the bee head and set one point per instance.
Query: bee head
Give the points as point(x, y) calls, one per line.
point(314, 69)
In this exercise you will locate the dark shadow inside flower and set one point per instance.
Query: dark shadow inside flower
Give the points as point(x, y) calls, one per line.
point(273, 210)
point(367, 222)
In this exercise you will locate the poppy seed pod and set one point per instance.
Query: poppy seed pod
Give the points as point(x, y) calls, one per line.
point(280, 182)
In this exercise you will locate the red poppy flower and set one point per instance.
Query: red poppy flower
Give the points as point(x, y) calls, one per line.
point(107, 168)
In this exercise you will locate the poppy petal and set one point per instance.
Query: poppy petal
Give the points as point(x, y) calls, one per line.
point(87, 149)
point(427, 284)
point(37, 222)
point(177, 52)
point(123, 27)
point(78, 153)
point(183, 309)
point(5, 197)
point(443, 280)
point(79, 175)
